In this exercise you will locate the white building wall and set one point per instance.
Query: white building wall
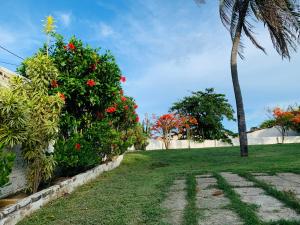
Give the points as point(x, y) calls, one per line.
point(270, 132)
point(183, 144)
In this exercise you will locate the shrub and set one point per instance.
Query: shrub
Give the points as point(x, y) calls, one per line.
point(141, 138)
point(88, 80)
point(29, 116)
point(95, 112)
point(74, 155)
point(42, 119)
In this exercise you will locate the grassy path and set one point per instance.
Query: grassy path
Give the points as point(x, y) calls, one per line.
point(132, 193)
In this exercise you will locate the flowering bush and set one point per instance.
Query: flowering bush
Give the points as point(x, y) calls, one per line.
point(74, 155)
point(97, 120)
point(87, 80)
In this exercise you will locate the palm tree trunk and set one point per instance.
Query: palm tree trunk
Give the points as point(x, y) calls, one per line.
point(238, 94)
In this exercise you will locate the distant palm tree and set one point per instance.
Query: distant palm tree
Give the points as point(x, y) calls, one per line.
point(281, 17)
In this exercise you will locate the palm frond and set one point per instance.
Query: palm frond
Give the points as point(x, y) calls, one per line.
point(282, 19)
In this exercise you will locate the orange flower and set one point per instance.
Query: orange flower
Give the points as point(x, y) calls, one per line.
point(62, 96)
point(277, 112)
point(296, 119)
point(123, 99)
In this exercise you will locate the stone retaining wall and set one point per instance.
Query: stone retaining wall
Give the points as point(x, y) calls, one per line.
point(14, 213)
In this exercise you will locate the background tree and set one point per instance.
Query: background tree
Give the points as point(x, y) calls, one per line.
point(267, 124)
point(285, 120)
point(209, 109)
point(164, 125)
point(281, 17)
point(187, 122)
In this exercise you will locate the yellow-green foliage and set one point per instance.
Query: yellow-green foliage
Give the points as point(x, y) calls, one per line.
point(29, 116)
point(13, 117)
point(44, 117)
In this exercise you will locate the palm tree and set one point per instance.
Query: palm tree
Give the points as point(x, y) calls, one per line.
point(280, 17)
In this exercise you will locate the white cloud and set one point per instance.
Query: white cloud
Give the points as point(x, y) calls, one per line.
point(65, 18)
point(105, 30)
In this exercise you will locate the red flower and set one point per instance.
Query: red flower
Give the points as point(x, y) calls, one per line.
point(135, 106)
point(77, 146)
point(54, 84)
point(111, 109)
point(71, 46)
point(65, 47)
point(91, 83)
point(123, 99)
point(123, 79)
point(62, 96)
point(126, 107)
point(137, 119)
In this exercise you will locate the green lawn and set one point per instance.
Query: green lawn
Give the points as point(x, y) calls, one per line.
point(132, 193)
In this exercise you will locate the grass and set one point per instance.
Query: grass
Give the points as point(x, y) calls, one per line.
point(132, 193)
point(191, 212)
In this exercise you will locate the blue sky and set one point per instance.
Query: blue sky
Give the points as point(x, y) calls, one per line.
point(165, 49)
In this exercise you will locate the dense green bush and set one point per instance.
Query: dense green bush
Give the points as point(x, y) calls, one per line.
point(96, 116)
point(88, 80)
point(75, 154)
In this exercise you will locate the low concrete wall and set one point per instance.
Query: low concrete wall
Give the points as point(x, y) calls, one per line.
point(184, 144)
point(15, 213)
